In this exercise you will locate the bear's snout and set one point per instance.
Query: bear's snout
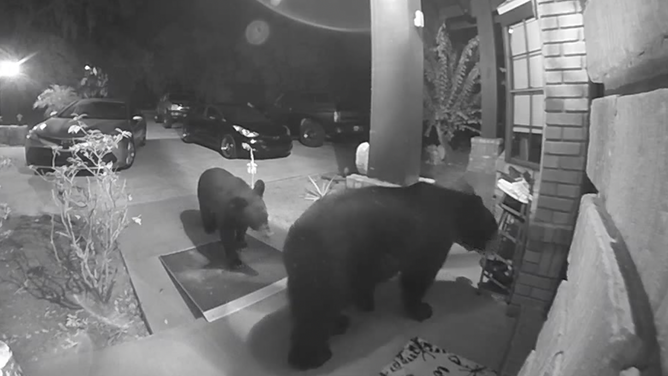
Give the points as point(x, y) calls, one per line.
point(265, 230)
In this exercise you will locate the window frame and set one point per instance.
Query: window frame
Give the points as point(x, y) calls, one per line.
point(521, 14)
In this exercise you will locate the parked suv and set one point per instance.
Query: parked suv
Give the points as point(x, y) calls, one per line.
point(172, 107)
point(311, 117)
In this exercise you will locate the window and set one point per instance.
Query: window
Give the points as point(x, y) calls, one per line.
point(97, 110)
point(213, 113)
point(526, 97)
point(244, 114)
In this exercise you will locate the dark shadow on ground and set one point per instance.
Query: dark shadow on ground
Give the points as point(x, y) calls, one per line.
point(344, 150)
point(269, 339)
point(192, 226)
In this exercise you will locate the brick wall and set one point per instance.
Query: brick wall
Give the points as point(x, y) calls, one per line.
point(609, 317)
point(564, 153)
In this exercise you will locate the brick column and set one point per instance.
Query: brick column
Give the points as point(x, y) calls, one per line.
point(564, 153)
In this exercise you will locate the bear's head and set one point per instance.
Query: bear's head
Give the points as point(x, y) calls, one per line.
point(476, 226)
point(252, 209)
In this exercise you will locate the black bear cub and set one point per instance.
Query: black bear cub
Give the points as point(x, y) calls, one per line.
point(229, 205)
point(344, 245)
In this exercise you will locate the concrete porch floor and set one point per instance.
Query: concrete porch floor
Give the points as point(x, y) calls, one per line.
point(254, 341)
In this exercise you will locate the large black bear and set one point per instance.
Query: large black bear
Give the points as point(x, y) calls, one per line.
point(228, 204)
point(345, 244)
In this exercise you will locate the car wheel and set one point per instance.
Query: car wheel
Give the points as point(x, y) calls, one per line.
point(185, 134)
point(130, 154)
point(228, 147)
point(142, 140)
point(311, 134)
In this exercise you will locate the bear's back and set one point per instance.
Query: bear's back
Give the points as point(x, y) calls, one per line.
point(218, 184)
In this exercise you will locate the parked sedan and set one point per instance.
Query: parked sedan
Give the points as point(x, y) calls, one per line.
point(226, 127)
point(105, 115)
point(173, 107)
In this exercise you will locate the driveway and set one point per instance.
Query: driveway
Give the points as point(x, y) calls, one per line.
point(168, 168)
point(162, 183)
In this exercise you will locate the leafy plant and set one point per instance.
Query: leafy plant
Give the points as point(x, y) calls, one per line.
point(94, 83)
point(55, 98)
point(93, 215)
point(451, 92)
point(319, 192)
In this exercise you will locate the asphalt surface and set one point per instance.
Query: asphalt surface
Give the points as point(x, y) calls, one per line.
point(169, 168)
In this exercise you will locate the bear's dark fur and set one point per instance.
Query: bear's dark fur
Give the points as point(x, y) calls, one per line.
point(229, 205)
point(345, 244)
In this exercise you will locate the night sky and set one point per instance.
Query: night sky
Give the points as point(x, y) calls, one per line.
point(211, 46)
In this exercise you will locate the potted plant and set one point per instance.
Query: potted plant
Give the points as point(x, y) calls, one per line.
point(451, 89)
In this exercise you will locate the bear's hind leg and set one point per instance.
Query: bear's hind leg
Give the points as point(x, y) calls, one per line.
point(416, 279)
point(363, 298)
point(309, 346)
point(208, 219)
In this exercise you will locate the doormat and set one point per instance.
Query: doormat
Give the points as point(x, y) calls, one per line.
point(217, 292)
point(421, 358)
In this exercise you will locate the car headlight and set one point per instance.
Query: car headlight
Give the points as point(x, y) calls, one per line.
point(245, 132)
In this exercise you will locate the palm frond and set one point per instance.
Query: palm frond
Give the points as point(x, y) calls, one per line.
point(451, 100)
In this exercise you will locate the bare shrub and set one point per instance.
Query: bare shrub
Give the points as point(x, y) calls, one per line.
point(90, 218)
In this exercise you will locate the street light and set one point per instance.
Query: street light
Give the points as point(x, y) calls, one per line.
point(10, 68)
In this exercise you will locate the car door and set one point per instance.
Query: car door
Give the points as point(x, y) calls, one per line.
point(195, 123)
point(293, 114)
point(137, 123)
point(214, 120)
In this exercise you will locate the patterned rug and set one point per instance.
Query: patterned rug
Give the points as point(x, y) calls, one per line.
point(421, 358)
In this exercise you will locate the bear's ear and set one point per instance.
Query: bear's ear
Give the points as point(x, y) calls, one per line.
point(259, 187)
point(237, 204)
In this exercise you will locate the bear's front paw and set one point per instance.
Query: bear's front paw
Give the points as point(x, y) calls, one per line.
point(341, 324)
point(419, 312)
point(365, 304)
point(305, 359)
point(234, 262)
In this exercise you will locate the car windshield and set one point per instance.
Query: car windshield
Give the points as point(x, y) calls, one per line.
point(97, 110)
point(180, 97)
point(243, 114)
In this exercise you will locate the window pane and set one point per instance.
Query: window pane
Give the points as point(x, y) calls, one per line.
point(538, 110)
point(520, 146)
point(521, 108)
point(536, 70)
point(535, 148)
point(533, 35)
point(517, 39)
point(527, 147)
point(520, 73)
